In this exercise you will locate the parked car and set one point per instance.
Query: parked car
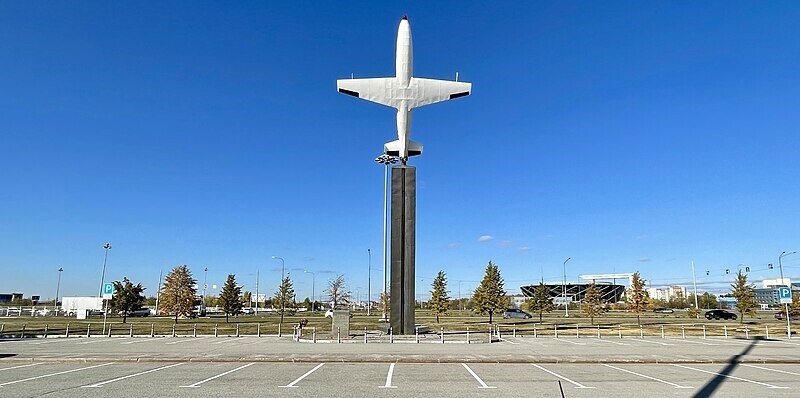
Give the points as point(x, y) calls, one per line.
point(516, 313)
point(248, 311)
point(780, 315)
point(662, 310)
point(721, 314)
point(141, 312)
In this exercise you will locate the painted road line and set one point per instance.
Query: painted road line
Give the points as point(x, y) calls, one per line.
point(772, 370)
point(650, 342)
point(607, 341)
point(54, 374)
point(100, 340)
point(389, 377)
point(97, 385)
point(645, 376)
point(140, 340)
point(292, 384)
point(21, 366)
point(567, 341)
point(577, 385)
point(689, 341)
point(219, 375)
point(191, 339)
point(227, 340)
point(508, 341)
point(483, 385)
point(729, 376)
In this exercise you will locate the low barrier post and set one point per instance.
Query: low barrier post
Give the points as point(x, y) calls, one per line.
point(66, 333)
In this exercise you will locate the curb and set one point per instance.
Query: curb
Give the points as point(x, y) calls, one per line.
point(397, 360)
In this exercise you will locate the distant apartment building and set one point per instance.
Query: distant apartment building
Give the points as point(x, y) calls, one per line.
point(667, 293)
point(6, 298)
point(770, 283)
point(767, 296)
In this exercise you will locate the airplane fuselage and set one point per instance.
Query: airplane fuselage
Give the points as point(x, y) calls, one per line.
point(403, 67)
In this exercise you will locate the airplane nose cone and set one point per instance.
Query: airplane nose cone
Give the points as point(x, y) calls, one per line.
point(405, 18)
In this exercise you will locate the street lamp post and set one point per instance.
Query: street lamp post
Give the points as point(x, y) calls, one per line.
point(385, 160)
point(566, 305)
point(313, 300)
point(694, 282)
point(780, 266)
point(205, 285)
point(283, 270)
point(369, 279)
point(107, 247)
point(58, 287)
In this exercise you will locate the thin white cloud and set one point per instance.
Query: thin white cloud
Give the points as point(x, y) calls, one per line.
point(485, 238)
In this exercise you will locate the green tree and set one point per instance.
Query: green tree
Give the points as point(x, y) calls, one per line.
point(541, 301)
point(178, 294)
point(230, 299)
point(337, 292)
point(307, 304)
point(439, 301)
point(247, 298)
point(745, 295)
point(637, 296)
point(127, 297)
point(794, 307)
point(490, 296)
point(707, 300)
point(593, 302)
point(284, 297)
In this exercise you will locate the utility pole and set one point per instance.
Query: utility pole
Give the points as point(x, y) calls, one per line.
point(369, 279)
point(694, 281)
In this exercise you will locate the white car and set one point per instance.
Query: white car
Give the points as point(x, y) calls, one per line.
point(329, 314)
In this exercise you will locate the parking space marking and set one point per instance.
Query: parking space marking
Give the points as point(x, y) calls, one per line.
point(483, 385)
point(140, 340)
point(507, 341)
point(772, 370)
point(690, 341)
point(567, 341)
point(21, 366)
point(389, 377)
point(219, 375)
point(577, 385)
point(54, 340)
point(225, 341)
point(292, 384)
point(729, 376)
point(645, 376)
point(650, 342)
point(101, 340)
point(98, 385)
point(607, 341)
point(192, 339)
point(54, 374)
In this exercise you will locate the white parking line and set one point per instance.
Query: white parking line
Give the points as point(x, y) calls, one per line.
point(729, 376)
point(292, 384)
point(649, 342)
point(508, 341)
point(53, 374)
point(389, 377)
point(607, 341)
point(97, 385)
point(219, 375)
point(689, 341)
point(567, 341)
point(645, 376)
point(140, 340)
point(483, 385)
point(577, 385)
point(21, 366)
point(190, 339)
point(223, 341)
point(772, 370)
point(99, 340)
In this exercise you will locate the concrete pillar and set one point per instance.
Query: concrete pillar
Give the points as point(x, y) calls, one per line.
point(403, 249)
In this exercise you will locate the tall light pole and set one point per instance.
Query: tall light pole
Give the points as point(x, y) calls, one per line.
point(780, 266)
point(58, 287)
point(205, 284)
point(369, 279)
point(313, 300)
point(694, 281)
point(258, 279)
point(566, 305)
point(385, 160)
point(107, 247)
point(283, 270)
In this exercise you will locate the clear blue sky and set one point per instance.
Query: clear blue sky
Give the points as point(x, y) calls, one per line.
point(625, 135)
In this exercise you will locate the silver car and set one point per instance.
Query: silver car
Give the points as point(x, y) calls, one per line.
point(516, 313)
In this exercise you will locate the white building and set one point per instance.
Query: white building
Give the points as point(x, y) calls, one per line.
point(667, 293)
point(770, 283)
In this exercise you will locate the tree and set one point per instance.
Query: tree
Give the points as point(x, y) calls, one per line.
point(490, 297)
point(439, 301)
point(541, 301)
point(794, 307)
point(247, 298)
point(707, 300)
point(337, 292)
point(230, 298)
point(745, 295)
point(593, 302)
point(284, 297)
point(179, 295)
point(127, 297)
point(637, 296)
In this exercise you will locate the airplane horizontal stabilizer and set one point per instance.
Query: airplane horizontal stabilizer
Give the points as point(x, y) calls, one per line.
point(393, 148)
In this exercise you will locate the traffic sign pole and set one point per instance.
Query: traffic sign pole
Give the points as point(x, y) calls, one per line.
point(785, 296)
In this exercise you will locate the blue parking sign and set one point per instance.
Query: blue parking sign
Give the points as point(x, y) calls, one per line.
point(108, 289)
point(785, 295)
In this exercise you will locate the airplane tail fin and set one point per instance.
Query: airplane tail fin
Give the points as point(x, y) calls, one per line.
point(393, 148)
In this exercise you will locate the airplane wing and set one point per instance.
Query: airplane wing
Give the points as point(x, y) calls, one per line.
point(381, 90)
point(430, 91)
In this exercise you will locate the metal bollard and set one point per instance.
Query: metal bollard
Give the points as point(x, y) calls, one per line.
point(683, 332)
point(258, 329)
point(279, 330)
point(641, 332)
point(747, 334)
point(662, 331)
point(467, 334)
point(2, 328)
point(704, 332)
point(45, 330)
point(598, 331)
point(416, 335)
point(577, 331)
point(490, 334)
point(514, 331)
point(441, 335)
point(314, 335)
point(130, 334)
point(216, 326)
point(766, 331)
point(23, 330)
point(620, 330)
point(110, 325)
point(173, 330)
point(66, 333)
point(534, 330)
point(237, 330)
point(555, 330)
point(152, 330)
point(365, 335)
point(194, 330)
point(88, 330)
point(338, 334)
point(725, 329)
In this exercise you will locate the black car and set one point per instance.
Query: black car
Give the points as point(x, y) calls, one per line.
point(516, 313)
point(720, 314)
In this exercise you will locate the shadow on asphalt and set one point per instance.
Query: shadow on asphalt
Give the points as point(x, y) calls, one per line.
point(713, 384)
point(7, 355)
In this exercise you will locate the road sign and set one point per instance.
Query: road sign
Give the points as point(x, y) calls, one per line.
point(785, 295)
point(108, 290)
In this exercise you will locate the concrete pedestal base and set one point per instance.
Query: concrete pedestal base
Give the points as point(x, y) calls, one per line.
point(404, 203)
